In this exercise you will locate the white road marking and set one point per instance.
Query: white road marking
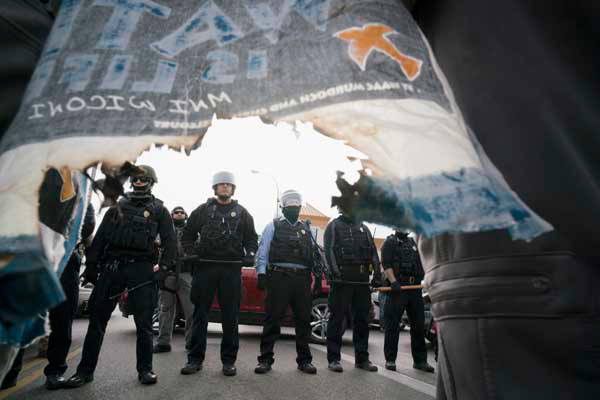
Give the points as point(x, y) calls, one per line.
point(398, 377)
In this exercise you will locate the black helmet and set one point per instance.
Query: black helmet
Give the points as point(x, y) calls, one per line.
point(146, 172)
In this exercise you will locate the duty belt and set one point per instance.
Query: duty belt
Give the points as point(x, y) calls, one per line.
point(293, 270)
point(411, 280)
point(130, 259)
point(362, 268)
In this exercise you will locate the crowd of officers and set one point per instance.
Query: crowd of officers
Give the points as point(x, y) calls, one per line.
point(140, 245)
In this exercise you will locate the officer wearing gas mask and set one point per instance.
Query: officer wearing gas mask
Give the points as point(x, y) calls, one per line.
point(227, 241)
point(352, 258)
point(123, 253)
point(283, 265)
point(175, 288)
point(402, 267)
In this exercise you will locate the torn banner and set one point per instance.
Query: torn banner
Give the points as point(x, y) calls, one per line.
point(29, 281)
point(118, 75)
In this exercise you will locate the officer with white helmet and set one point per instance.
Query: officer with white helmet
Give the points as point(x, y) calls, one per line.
point(227, 241)
point(283, 266)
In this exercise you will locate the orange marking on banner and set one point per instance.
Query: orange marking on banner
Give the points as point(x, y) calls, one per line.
point(374, 37)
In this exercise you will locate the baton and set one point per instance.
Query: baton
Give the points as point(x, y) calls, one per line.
point(349, 282)
point(389, 289)
point(131, 290)
point(196, 258)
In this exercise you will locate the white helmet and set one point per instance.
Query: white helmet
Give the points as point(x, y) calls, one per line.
point(291, 198)
point(223, 177)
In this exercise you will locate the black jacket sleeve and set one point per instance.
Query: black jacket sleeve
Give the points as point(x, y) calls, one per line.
point(329, 245)
point(89, 222)
point(387, 253)
point(96, 250)
point(249, 236)
point(168, 238)
point(192, 230)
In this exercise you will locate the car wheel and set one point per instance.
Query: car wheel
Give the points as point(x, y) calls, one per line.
point(319, 316)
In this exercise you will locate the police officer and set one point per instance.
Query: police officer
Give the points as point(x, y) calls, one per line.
point(124, 253)
point(402, 266)
point(283, 266)
point(352, 257)
point(227, 242)
point(61, 316)
point(175, 288)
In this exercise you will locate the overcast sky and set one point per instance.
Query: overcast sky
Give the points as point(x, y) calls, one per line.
point(296, 158)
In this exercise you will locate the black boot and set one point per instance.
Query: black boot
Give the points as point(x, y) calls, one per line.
point(391, 365)
point(335, 366)
point(191, 368)
point(161, 348)
point(147, 378)
point(424, 366)
point(307, 368)
point(367, 366)
point(54, 382)
point(262, 368)
point(78, 380)
point(229, 369)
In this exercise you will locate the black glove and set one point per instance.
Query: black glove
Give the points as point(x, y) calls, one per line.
point(248, 260)
point(396, 287)
point(90, 275)
point(334, 275)
point(376, 281)
point(161, 274)
point(261, 282)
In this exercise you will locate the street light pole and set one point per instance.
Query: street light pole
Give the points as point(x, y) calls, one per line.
point(254, 171)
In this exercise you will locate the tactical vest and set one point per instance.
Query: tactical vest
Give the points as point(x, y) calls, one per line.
point(352, 244)
point(290, 244)
point(179, 233)
point(137, 227)
point(405, 260)
point(221, 236)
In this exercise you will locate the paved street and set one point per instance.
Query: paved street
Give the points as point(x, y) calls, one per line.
point(116, 378)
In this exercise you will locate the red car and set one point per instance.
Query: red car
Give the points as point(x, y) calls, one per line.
point(252, 308)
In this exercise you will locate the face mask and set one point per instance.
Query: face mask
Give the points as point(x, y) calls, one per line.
point(291, 213)
point(178, 222)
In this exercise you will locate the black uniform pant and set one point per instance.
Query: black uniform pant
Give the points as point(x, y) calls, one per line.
point(518, 327)
point(358, 297)
point(61, 319)
point(412, 302)
point(227, 282)
point(10, 379)
point(141, 303)
point(287, 289)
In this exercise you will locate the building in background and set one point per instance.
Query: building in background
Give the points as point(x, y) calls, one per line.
point(318, 221)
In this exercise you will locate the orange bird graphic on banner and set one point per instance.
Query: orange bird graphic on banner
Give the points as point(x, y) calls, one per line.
point(374, 37)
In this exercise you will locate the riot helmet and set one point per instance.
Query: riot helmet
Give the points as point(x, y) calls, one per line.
point(143, 181)
point(220, 178)
point(291, 203)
